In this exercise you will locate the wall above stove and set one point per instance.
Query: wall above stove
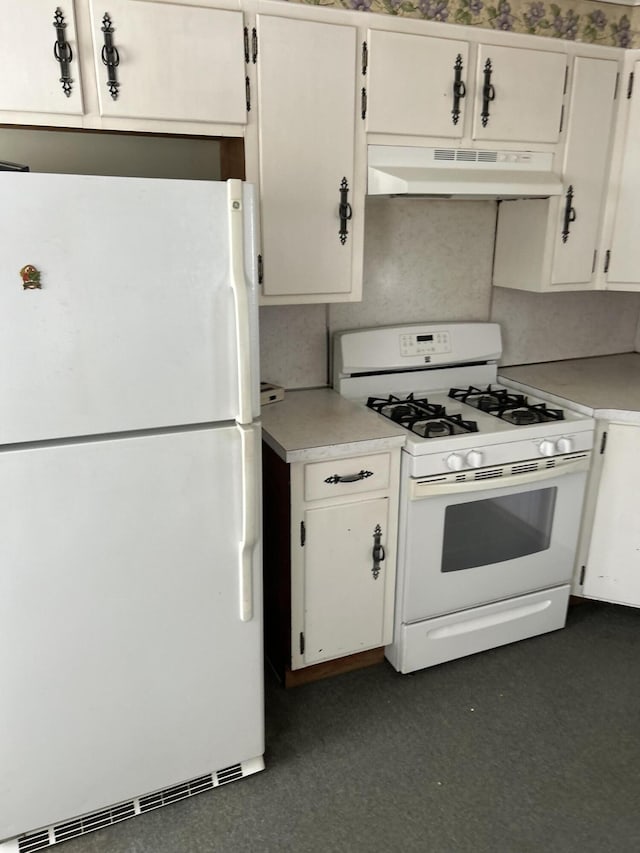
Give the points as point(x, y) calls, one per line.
point(429, 260)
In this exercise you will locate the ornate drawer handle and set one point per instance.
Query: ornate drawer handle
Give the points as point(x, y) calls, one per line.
point(378, 553)
point(348, 478)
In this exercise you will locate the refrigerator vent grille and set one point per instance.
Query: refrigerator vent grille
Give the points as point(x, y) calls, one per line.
point(43, 838)
point(34, 841)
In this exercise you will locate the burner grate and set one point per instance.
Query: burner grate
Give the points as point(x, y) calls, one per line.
point(504, 404)
point(429, 420)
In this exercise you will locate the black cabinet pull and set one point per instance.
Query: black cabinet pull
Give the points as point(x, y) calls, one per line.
point(488, 92)
point(62, 51)
point(378, 553)
point(348, 478)
point(344, 211)
point(110, 56)
point(569, 214)
point(459, 89)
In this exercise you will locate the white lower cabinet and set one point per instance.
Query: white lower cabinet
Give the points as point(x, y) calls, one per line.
point(611, 571)
point(330, 530)
point(343, 583)
point(343, 529)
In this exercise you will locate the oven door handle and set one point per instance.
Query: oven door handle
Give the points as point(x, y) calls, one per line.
point(422, 489)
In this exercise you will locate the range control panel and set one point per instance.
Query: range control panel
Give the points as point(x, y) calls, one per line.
point(435, 343)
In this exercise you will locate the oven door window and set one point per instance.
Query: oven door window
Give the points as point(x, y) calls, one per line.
point(484, 532)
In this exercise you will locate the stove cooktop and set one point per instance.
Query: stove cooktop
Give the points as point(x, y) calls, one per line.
point(497, 421)
point(432, 417)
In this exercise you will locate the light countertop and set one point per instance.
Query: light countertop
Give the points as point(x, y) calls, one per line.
point(320, 424)
point(604, 386)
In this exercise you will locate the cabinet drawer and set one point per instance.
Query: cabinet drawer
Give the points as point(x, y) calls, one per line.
point(340, 477)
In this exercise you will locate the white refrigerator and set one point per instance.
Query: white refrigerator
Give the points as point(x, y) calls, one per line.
point(131, 670)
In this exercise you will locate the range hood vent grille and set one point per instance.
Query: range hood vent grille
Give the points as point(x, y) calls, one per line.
point(464, 155)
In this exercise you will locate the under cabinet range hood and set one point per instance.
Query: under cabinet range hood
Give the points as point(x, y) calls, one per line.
point(460, 173)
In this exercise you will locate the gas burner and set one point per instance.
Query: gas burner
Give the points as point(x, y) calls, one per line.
point(527, 413)
point(504, 404)
point(486, 399)
point(403, 409)
point(521, 417)
point(442, 426)
point(429, 420)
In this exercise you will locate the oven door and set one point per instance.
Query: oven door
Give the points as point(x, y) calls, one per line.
point(491, 537)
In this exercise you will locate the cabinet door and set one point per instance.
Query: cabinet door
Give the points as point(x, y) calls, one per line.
point(30, 75)
point(624, 263)
point(175, 61)
point(585, 169)
point(613, 565)
point(306, 83)
point(524, 102)
point(343, 601)
point(410, 87)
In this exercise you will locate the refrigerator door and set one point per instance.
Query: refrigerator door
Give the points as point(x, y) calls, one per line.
point(134, 324)
point(125, 663)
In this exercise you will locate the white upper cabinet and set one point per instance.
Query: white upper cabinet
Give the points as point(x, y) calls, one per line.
point(421, 85)
point(311, 207)
point(123, 65)
point(415, 84)
point(39, 58)
point(169, 61)
point(518, 94)
point(622, 246)
point(549, 244)
point(586, 160)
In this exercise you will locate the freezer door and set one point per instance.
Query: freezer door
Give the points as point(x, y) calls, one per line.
point(134, 324)
point(125, 663)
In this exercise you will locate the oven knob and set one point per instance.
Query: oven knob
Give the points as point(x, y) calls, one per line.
point(564, 445)
point(455, 462)
point(474, 459)
point(547, 447)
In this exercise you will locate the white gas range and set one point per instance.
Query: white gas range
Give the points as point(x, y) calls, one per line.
point(491, 492)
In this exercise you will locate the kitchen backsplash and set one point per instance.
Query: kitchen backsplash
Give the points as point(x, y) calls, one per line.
point(582, 20)
point(431, 260)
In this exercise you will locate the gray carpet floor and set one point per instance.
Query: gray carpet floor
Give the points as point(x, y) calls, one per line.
point(530, 748)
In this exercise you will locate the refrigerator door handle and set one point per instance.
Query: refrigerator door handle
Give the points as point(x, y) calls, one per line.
point(241, 297)
point(249, 437)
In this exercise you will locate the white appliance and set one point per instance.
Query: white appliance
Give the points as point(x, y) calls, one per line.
point(460, 172)
point(492, 486)
point(130, 592)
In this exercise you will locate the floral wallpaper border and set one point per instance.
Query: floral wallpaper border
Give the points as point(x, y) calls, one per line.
point(581, 20)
